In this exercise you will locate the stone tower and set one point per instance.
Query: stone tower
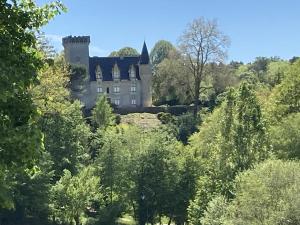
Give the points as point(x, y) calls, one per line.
point(146, 77)
point(76, 50)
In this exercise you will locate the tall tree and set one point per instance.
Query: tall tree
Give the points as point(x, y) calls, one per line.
point(20, 138)
point(65, 130)
point(168, 81)
point(200, 44)
point(231, 140)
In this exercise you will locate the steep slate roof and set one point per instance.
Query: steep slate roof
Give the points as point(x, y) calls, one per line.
point(107, 63)
point(144, 55)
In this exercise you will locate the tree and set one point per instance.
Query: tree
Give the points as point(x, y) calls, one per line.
point(160, 51)
point(276, 72)
point(102, 114)
point(285, 97)
point(268, 194)
point(215, 211)
point(154, 174)
point(111, 161)
point(168, 81)
point(126, 51)
point(73, 195)
point(231, 140)
point(20, 138)
point(66, 133)
point(30, 191)
point(200, 44)
point(285, 137)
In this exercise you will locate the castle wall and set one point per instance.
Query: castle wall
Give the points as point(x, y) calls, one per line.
point(125, 94)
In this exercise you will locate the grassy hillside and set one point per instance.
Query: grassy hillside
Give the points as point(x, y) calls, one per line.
point(144, 120)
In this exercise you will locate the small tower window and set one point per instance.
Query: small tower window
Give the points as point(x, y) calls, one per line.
point(107, 90)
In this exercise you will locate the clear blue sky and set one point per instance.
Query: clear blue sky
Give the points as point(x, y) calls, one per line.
point(255, 27)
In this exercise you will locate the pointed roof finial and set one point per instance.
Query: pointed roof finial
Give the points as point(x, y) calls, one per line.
point(144, 59)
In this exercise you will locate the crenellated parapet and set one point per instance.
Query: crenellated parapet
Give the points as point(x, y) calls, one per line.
point(76, 39)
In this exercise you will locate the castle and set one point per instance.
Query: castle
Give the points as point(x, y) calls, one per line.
point(126, 81)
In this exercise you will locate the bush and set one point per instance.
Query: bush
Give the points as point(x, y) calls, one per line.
point(268, 194)
point(165, 118)
point(187, 125)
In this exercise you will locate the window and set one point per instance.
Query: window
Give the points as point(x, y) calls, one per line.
point(99, 90)
point(116, 72)
point(133, 101)
point(116, 89)
point(133, 88)
point(132, 72)
point(98, 73)
point(107, 90)
point(117, 101)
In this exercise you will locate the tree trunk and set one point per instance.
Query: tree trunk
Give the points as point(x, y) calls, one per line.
point(76, 218)
point(170, 220)
point(197, 96)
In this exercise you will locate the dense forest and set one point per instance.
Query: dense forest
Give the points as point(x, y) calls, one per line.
point(233, 160)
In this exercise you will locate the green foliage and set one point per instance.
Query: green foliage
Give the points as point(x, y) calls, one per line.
point(276, 72)
point(66, 138)
point(160, 51)
point(215, 211)
point(31, 189)
point(102, 114)
point(285, 137)
point(72, 195)
point(115, 150)
point(165, 118)
point(169, 82)
point(187, 125)
point(20, 138)
point(231, 140)
point(285, 97)
point(268, 194)
point(65, 132)
point(155, 176)
point(126, 51)
point(78, 79)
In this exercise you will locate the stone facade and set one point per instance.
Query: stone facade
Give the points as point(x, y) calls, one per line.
point(126, 81)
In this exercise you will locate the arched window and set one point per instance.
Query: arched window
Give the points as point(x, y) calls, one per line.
point(116, 72)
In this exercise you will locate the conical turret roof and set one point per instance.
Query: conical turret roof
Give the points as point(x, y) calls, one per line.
point(144, 59)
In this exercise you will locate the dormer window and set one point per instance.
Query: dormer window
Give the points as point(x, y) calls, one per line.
point(132, 73)
point(116, 72)
point(98, 73)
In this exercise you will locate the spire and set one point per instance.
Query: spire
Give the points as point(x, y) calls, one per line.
point(144, 58)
